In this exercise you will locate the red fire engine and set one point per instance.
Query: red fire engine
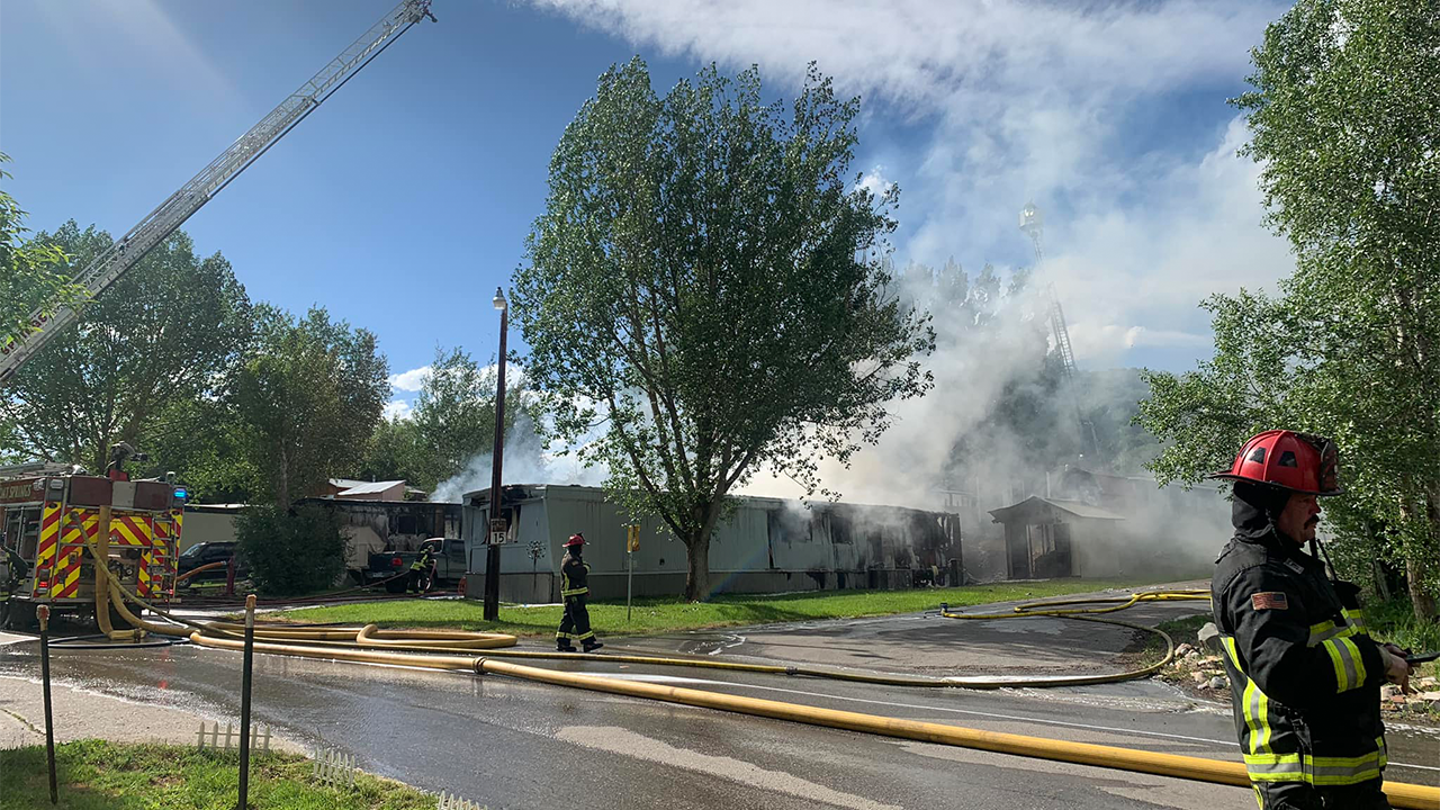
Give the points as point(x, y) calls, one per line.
point(51, 530)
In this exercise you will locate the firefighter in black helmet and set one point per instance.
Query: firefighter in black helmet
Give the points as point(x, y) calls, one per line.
point(1305, 676)
point(574, 590)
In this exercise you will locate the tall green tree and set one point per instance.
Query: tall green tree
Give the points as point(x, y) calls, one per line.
point(396, 450)
point(1345, 120)
point(203, 442)
point(699, 277)
point(32, 275)
point(165, 332)
point(306, 400)
point(452, 423)
point(455, 411)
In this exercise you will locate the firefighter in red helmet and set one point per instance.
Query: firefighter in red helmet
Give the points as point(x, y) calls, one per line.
point(575, 590)
point(1305, 677)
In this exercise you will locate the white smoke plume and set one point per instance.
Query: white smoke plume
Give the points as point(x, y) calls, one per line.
point(526, 461)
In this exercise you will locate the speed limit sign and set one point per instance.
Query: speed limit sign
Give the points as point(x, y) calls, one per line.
point(499, 531)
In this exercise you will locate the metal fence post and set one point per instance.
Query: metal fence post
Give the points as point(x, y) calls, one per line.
point(43, 613)
point(245, 701)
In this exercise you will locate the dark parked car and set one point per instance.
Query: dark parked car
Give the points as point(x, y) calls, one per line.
point(390, 565)
point(206, 553)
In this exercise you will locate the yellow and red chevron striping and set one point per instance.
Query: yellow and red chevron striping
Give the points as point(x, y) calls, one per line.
point(130, 530)
point(49, 533)
point(66, 582)
point(77, 521)
point(45, 550)
point(142, 582)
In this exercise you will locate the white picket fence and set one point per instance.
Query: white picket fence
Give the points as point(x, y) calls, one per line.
point(211, 737)
point(456, 803)
point(333, 767)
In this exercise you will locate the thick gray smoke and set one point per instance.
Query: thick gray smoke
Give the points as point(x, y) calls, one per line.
point(1001, 426)
point(986, 340)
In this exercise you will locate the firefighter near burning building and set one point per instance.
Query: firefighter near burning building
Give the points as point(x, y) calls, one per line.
point(575, 590)
point(1305, 676)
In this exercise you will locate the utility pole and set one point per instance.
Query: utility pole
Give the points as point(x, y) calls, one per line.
point(497, 517)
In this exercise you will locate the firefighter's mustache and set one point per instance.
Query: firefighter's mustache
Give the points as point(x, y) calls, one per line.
point(1312, 521)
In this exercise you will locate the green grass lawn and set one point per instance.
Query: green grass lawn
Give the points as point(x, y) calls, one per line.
point(94, 774)
point(654, 616)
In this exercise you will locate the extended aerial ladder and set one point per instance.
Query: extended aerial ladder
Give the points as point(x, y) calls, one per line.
point(129, 249)
point(1033, 225)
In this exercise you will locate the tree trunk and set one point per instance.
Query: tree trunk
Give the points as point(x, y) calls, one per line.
point(1421, 599)
point(697, 574)
point(282, 492)
point(1418, 567)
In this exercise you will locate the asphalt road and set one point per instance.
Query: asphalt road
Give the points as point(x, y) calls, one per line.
point(511, 744)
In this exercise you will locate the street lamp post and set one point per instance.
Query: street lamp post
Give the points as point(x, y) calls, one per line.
point(492, 553)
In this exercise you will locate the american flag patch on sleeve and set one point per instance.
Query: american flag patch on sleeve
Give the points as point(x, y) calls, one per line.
point(1269, 600)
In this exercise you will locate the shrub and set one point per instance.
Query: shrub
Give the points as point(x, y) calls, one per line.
point(292, 552)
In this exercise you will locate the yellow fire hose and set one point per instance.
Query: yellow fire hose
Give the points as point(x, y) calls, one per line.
point(1401, 795)
point(325, 643)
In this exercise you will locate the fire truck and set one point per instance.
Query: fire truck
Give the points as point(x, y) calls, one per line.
point(49, 516)
point(52, 536)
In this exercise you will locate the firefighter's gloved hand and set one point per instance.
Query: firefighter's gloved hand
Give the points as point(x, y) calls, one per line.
point(1397, 669)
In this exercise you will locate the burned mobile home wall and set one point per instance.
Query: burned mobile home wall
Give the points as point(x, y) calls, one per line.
point(374, 526)
point(768, 545)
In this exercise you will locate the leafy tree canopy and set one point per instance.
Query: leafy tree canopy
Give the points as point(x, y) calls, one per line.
point(700, 278)
point(306, 400)
point(1345, 118)
point(163, 334)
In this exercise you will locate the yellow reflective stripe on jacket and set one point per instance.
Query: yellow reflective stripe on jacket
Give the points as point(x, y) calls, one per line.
point(1349, 668)
point(1324, 631)
point(1356, 619)
point(1254, 705)
point(1344, 770)
point(566, 590)
point(1316, 770)
point(1275, 768)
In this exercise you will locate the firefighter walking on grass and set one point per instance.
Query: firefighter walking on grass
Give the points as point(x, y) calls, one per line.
point(575, 590)
point(1305, 676)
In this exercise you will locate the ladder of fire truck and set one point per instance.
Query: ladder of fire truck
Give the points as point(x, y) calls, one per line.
point(1062, 335)
point(127, 251)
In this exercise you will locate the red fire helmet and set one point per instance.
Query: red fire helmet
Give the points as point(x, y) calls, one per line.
point(1299, 462)
point(576, 539)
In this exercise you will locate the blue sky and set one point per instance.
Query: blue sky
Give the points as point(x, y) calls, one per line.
point(405, 200)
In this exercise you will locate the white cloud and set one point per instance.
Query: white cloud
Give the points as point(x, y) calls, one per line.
point(875, 182)
point(1028, 101)
point(397, 409)
point(411, 380)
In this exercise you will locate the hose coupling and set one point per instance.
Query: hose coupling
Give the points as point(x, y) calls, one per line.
point(792, 671)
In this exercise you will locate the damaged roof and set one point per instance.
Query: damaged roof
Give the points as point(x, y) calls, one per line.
point(1035, 504)
point(368, 487)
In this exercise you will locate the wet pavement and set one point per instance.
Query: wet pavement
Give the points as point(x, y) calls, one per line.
point(512, 744)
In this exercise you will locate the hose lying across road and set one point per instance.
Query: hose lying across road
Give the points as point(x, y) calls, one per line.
point(447, 650)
